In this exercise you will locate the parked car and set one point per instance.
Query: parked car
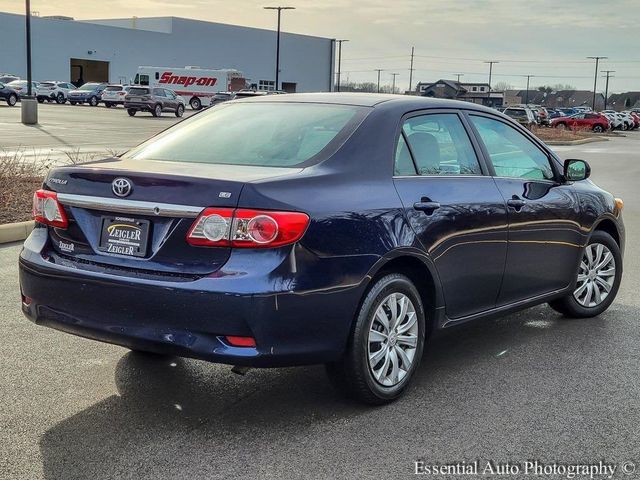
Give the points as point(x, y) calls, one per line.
point(54, 91)
point(630, 119)
point(114, 95)
point(523, 115)
point(7, 78)
point(8, 94)
point(615, 120)
point(582, 121)
point(21, 87)
point(90, 93)
point(278, 231)
point(221, 97)
point(154, 100)
point(554, 113)
point(543, 116)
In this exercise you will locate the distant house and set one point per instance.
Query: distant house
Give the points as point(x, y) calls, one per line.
point(624, 101)
point(470, 92)
point(559, 99)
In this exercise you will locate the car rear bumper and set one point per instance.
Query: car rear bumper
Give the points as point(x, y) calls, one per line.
point(191, 318)
point(137, 106)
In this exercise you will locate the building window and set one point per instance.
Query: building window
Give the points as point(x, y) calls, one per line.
point(482, 89)
point(266, 85)
point(474, 89)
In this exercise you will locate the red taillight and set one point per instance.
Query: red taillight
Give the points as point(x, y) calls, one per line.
point(47, 209)
point(224, 227)
point(240, 341)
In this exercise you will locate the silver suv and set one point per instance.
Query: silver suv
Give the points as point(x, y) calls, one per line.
point(154, 100)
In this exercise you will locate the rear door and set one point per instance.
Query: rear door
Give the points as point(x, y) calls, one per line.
point(454, 208)
point(545, 237)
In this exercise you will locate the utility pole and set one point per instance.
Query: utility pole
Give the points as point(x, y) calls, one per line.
point(459, 75)
point(490, 62)
point(29, 105)
point(595, 80)
point(379, 70)
point(393, 88)
point(279, 9)
point(411, 71)
point(606, 88)
point(526, 102)
point(339, 42)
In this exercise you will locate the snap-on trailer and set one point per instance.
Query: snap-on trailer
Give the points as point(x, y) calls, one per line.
point(197, 85)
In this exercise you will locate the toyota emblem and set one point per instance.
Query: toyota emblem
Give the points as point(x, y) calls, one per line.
point(121, 187)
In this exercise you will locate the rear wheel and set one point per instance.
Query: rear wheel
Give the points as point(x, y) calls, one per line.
point(40, 99)
point(385, 346)
point(179, 111)
point(157, 111)
point(598, 279)
point(131, 112)
point(60, 98)
point(12, 100)
point(561, 126)
point(72, 102)
point(598, 128)
point(195, 103)
point(108, 104)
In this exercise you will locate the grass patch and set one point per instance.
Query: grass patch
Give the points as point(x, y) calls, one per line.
point(558, 135)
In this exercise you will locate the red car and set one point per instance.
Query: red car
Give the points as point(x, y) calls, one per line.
point(582, 121)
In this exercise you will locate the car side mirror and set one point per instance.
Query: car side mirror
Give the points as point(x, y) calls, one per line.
point(576, 170)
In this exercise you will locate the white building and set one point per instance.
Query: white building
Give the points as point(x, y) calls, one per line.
point(111, 50)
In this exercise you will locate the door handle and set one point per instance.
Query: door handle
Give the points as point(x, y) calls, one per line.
point(516, 203)
point(426, 207)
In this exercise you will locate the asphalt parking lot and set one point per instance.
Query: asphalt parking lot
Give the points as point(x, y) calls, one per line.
point(529, 386)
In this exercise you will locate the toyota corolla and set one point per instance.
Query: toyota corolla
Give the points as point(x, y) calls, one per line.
point(340, 229)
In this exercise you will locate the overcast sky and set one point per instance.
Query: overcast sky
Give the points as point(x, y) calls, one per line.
point(546, 38)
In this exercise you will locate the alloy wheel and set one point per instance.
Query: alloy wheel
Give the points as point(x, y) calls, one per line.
point(393, 339)
point(596, 275)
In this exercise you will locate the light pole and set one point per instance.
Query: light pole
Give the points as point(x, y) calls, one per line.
point(339, 42)
point(526, 102)
point(379, 70)
point(606, 88)
point(490, 62)
point(413, 49)
point(28, 104)
point(595, 80)
point(393, 88)
point(459, 75)
point(279, 9)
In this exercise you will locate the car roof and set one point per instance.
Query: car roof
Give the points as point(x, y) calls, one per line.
point(410, 102)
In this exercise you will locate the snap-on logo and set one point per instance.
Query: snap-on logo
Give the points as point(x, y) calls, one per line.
point(169, 78)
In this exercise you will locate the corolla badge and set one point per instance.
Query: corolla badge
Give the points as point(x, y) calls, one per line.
point(121, 187)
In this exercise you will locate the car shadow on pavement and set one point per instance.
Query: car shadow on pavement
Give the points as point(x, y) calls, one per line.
point(175, 417)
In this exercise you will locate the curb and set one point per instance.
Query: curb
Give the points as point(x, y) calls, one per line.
point(577, 142)
point(15, 232)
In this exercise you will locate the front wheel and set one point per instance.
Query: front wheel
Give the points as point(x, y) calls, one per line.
point(12, 100)
point(561, 126)
point(385, 346)
point(195, 103)
point(131, 112)
point(60, 98)
point(108, 104)
point(72, 103)
point(598, 279)
point(598, 128)
point(179, 111)
point(40, 99)
point(93, 101)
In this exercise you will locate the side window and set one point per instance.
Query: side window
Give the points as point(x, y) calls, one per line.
point(158, 92)
point(144, 79)
point(170, 94)
point(440, 145)
point(512, 154)
point(404, 164)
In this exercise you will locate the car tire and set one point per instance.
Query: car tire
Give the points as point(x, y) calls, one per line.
point(179, 111)
point(573, 305)
point(72, 102)
point(195, 103)
point(598, 128)
point(12, 100)
point(561, 126)
point(157, 110)
point(131, 112)
point(93, 101)
point(108, 104)
point(40, 99)
point(60, 98)
point(374, 378)
point(624, 127)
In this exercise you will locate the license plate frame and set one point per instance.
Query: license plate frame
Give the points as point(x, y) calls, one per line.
point(124, 236)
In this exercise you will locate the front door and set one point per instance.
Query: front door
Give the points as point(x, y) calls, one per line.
point(545, 237)
point(455, 210)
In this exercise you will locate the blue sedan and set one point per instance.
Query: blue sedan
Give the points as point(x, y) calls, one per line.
point(341, 229)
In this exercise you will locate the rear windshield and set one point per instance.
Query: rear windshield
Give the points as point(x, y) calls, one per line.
point(114, 88)
point(260, 133)
point(47, 84)
point(89, 86)
point(138, 91)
